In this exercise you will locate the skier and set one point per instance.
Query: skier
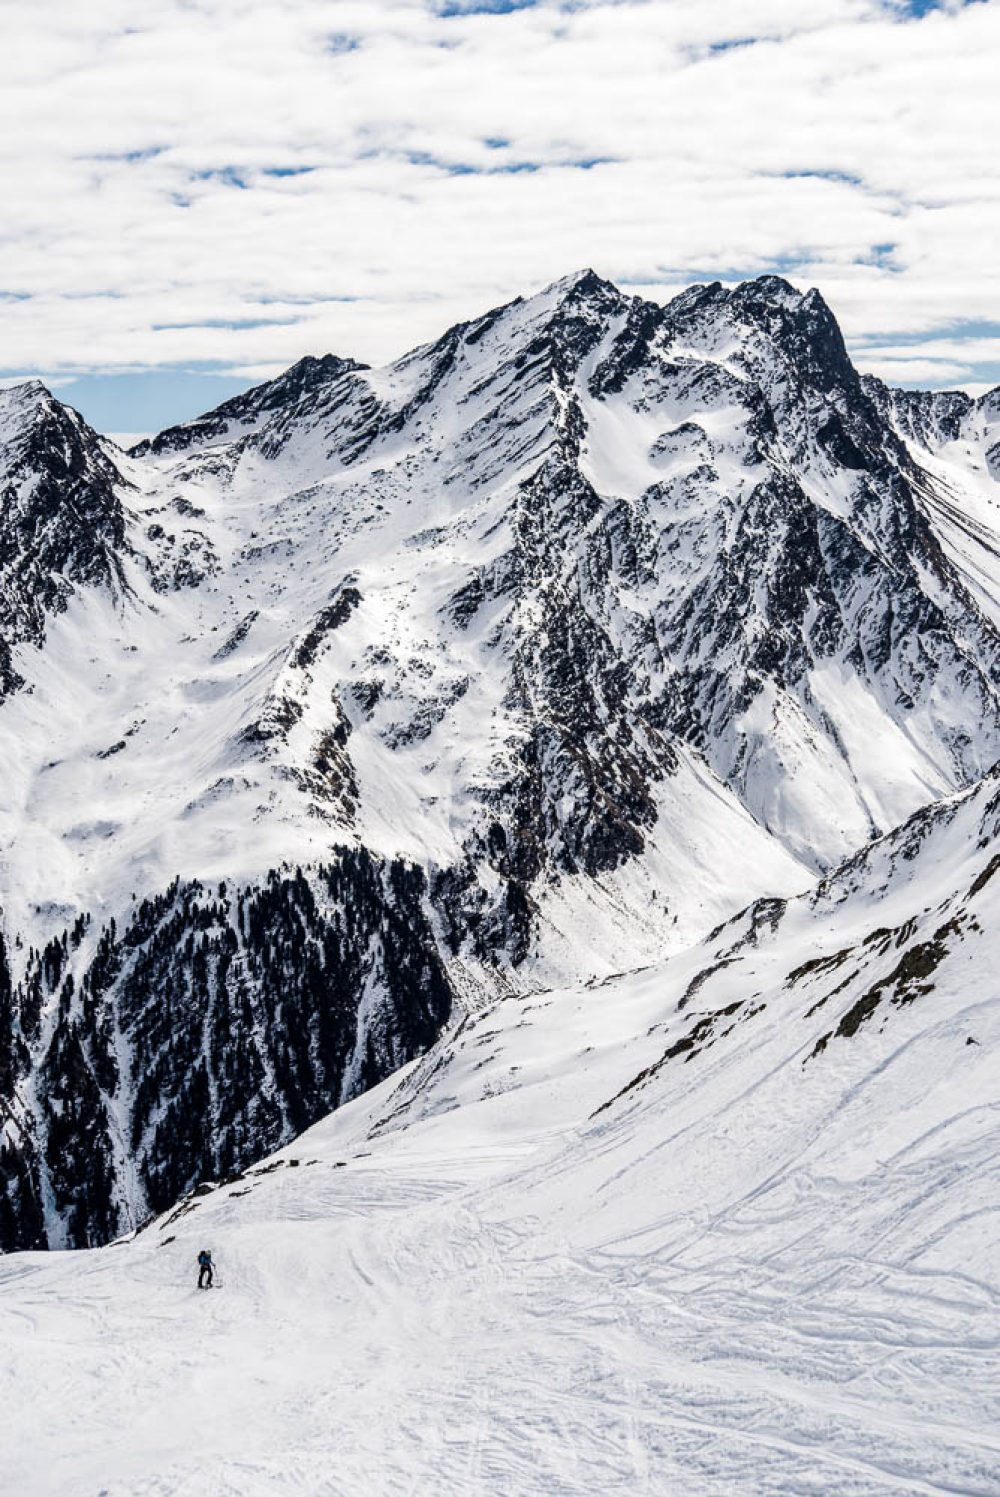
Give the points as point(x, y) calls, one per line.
point(205, 1267)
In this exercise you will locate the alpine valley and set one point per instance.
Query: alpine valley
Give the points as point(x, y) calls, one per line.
point(376, 693)
point(549, 787)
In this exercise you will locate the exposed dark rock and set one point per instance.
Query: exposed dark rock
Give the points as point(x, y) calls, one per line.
point(61, 518)
point(237, 1013)
point(293, 388)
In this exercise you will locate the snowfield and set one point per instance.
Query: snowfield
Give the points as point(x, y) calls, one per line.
point(647, 1235)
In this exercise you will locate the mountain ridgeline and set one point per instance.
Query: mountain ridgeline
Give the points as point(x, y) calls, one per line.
point(529, 657)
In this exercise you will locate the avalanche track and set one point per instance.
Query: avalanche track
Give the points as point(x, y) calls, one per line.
point(567, 1251)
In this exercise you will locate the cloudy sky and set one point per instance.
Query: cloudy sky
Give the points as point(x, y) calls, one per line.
point(197, 192)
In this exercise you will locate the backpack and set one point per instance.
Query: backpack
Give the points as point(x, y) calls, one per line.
point(204, 1259)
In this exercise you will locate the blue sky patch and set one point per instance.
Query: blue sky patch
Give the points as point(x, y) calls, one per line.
point(451, 8)
point(917, 8)
point(230, 176)
point(151, 400)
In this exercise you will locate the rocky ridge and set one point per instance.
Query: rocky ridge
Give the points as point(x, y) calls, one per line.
point(530, 656)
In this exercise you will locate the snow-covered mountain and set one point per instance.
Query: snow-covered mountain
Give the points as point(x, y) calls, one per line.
point(524, 660)
point(725, 1225)
point(62, 517)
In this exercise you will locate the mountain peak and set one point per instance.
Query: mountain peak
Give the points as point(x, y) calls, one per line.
point(536, 650)
point(585, 279)
point(772, 288)
point(315, 369)
point(768, 295)
point(310, 373)
point(17, 400)
point(796, 324)
point(583, 286)
point(25, 390)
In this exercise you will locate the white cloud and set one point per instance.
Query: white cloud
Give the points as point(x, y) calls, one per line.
point(443, 163)
point(913, 372)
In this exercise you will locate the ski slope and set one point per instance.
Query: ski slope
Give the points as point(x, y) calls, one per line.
point(654, 1234)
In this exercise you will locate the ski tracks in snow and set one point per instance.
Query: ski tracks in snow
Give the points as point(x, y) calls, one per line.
point(389, 1332)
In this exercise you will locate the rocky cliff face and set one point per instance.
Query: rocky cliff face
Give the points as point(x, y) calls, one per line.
point(539, 652)
point(62, 520)
point(139, 1058)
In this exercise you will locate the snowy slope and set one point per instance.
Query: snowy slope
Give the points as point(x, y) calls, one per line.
point(643, 1235)
point(956, 441)
point(550, 644)
point(524, 562)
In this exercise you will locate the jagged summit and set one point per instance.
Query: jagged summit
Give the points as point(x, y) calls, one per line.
point(26, 393)
point(583, 281)
point(296, 384)
point(567, 319)
point(62, 521)
point(308, 373)
point(583, 285)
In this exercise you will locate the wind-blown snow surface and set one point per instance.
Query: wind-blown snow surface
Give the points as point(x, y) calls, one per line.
point(725, 1225)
